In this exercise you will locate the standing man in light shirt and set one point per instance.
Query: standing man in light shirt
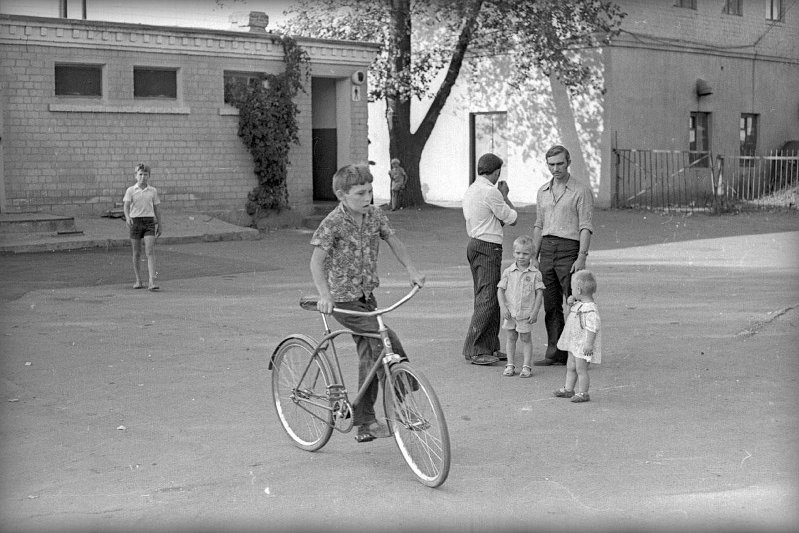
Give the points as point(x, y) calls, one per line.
point(486, 209)
point(561, 238)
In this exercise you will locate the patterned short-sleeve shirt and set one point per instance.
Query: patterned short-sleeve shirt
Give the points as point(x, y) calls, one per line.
point(351, 262)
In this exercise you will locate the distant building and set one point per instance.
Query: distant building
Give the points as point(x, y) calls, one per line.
point(84, 101)
point(715, 75)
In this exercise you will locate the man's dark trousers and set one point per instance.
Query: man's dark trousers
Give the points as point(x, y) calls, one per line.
point(485, 262)
point(555, 259)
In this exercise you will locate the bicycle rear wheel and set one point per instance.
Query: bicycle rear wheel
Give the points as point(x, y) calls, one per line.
point(299, 391)
point(414, 416)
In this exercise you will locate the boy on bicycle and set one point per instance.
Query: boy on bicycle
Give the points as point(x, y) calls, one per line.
point(344, 270)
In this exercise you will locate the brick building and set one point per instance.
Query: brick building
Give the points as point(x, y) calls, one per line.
point(84, 101)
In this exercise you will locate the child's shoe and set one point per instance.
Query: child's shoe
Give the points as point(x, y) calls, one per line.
point(563, 393)
point(581, 397)
point(510, 370)
point(527, 372)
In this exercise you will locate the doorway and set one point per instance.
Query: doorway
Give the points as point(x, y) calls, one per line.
point(324, 151)
point(487, 134)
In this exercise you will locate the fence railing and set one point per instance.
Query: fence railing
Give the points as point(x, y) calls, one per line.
point(699, 181)
point(759, 180)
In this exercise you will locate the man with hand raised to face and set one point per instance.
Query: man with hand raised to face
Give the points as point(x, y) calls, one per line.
point(487, 209)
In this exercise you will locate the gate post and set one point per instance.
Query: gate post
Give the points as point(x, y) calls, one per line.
point(717, 179)
point(615, 170)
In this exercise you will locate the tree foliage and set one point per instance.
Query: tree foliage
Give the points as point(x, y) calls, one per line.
point(268, 125)
point(420, 38)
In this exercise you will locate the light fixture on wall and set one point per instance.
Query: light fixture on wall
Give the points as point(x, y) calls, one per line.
point(703, 88)
point(358, 77)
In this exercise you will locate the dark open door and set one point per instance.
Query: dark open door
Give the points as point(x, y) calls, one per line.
point(324, 163)
point(325, 139)
point(487, 134)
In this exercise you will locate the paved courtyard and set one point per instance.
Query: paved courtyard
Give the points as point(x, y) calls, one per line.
point(127, 410)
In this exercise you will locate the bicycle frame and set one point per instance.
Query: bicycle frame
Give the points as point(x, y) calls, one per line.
point(337, 391)
point(308, 388)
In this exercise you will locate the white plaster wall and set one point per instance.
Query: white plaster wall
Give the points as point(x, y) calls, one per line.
point(444, 166)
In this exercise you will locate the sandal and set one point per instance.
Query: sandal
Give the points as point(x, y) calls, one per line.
point(364, 434)
point(581, 397)
point(527, 372)
point(563, 393)
point(510, 370)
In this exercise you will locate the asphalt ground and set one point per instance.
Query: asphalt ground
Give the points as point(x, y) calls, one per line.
point(135, 411)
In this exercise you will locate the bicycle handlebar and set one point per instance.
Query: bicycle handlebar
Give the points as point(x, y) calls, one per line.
point(309, 303)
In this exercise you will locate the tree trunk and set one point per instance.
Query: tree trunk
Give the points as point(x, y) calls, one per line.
point(567, 127)
point(398, 106)
point(404, 145)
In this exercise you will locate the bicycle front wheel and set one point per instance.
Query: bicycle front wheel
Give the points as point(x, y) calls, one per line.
point(299, 390)
point(414, 416)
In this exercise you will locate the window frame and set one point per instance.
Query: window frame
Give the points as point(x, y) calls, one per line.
point(694, 129)
point(749, 125)
point(251, 77)
point(97, 68)
point(733, 7)
point(140, 69)
point(770, 5)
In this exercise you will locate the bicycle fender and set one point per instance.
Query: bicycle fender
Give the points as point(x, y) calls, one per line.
point(310, 340)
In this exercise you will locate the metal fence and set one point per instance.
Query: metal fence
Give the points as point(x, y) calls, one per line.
point(759, 180)
point(699, 181)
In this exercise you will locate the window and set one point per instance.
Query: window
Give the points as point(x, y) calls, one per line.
point(155, 83)
point(231, 79)
point(773, 9)
point(691, 4)
point(79, 80)
point(748, 133)
point(734, 7)
point(699, 138)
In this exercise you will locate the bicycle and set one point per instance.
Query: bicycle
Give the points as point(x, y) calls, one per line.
point(311, 398)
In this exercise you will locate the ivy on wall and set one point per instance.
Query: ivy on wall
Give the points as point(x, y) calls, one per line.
point(268, 125)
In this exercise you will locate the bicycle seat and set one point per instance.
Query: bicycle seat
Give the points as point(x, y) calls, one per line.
point(309, 302)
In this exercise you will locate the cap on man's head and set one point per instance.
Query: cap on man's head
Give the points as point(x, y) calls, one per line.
point(488, 163)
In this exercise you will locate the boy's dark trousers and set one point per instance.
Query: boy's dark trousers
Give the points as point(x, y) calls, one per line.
point(368, 352)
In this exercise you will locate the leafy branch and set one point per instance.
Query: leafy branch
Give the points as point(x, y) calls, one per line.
point(268, 125)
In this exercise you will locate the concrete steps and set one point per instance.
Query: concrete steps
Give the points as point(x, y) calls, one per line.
point(38, 223)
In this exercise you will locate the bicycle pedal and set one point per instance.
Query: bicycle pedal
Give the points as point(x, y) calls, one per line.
point(342, 411)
